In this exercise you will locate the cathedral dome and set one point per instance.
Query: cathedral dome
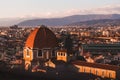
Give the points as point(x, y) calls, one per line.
point(41, 38)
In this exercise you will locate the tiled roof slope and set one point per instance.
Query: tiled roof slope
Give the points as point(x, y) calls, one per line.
point(41, 38)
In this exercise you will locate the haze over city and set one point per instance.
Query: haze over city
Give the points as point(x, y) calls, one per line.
point(16, 11)
point(56, 8)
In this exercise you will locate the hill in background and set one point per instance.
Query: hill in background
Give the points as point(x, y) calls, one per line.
point(97, 23)
point(68, 20)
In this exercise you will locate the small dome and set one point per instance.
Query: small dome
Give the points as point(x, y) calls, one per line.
point(41, 38)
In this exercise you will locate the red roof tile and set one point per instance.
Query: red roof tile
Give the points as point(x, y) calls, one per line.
point(41, 38)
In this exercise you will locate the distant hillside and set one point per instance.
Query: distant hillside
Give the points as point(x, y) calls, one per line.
point(9, 21)
point(96, 23)
point(66, 20)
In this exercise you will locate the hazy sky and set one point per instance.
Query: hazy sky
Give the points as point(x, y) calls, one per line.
point(56, 8)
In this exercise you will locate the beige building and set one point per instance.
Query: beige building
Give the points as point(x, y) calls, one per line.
point(64, 55)
point(106, 33)
point(75, 33)
point(102, 70)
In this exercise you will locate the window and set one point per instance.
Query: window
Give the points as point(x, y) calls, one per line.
point(84, 69)
point(63, 54)
point(79, 69)
point(102, 73)
point(53, 53)
point(28, 54)
point(58, 53)
point(96, 72)
point(35, 52)
point(40, 53)
point(90, 71)
point(110, 75)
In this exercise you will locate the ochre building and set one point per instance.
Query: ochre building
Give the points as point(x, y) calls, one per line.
point(102, 70)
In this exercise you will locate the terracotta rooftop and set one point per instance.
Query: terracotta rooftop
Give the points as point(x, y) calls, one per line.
point(41, 38)
point(97, 65)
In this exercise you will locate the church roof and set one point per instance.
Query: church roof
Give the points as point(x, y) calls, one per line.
point(41, 38)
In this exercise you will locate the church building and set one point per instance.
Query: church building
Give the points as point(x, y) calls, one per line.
point(39, 47)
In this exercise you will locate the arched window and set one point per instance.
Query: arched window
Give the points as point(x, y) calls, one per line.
point(61, 53)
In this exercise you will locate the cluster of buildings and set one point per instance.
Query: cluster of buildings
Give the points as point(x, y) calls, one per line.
point(87, 50)
point(42, 49)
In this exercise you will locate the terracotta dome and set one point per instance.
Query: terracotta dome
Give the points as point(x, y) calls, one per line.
point(41, 38)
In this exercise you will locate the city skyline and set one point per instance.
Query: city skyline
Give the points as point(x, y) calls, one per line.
point(55, 8)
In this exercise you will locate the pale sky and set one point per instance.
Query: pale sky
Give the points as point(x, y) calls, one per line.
point(56, 8)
